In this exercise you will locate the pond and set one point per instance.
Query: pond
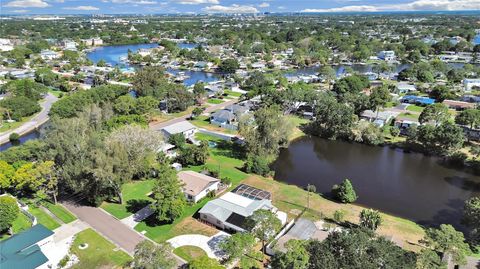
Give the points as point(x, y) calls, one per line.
point(408, 185)
point(24, 138)
point(113, 54)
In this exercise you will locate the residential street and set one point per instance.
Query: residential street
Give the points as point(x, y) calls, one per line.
point(108, 226)
point(160, 125)
point(35, 122)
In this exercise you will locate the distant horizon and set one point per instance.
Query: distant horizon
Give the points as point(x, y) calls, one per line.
point(386, 12)
point(119, 7)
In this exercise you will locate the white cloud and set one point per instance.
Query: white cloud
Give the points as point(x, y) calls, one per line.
point(196, 2)
point(264, 4)
point(412, 6)
point(141, 2)
point(27, 3)
point(82, 8)
point(231, 9)
point(281, 7)
point(20, 11)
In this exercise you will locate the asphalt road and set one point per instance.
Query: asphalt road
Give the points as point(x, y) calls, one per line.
point(110, 227)
point(33, 123)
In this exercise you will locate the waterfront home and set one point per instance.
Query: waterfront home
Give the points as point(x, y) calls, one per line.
point(184, 127)
point(28, 250)
point(69, 45)
point(96, 41)
point(214, 89)
point(418, 100)
point(406, 88)
point(403, 123)
point(379, 118)
point(458, 105)
point(49, 55)
point(196, 185)
point(230, 211)
point(230, 116)
point(387, 55)
point(471, 84)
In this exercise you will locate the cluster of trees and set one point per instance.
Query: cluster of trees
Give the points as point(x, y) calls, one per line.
point(22, 99)
point(265, 132)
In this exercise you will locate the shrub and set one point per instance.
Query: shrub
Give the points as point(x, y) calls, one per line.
point(344, 192)
point(258, 165)
point(9, 211)
point(14, 137)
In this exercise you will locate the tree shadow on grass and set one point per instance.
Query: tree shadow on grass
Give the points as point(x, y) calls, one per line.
point(136, 204)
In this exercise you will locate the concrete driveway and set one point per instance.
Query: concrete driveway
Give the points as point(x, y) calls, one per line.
point(209, 244)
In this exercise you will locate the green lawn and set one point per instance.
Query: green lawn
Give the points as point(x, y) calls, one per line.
point(215, 101)
point(204, 122)
point(415, 108)
point(134, 196)
point(189, 253)
point(43, 218)
point(232, 93)
point(61, 212)
point(21, 223)
point(409, 115)
point(56, 93)
point(223, 159)
point(7, 126)
point(100, 252)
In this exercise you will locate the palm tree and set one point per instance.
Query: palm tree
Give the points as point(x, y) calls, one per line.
point(310, 188)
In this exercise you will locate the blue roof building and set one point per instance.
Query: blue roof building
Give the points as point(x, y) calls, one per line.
point(24, 250)
point(419, 100)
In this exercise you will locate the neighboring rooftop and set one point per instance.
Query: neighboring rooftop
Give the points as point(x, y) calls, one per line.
point(252, 192)
point(22, 251)
point(179, 127)
point(195, 182)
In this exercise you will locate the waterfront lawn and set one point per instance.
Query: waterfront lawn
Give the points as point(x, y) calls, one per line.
point(43, 218)
point(61, 212)
point(292, 199)
point(189, 253)
point(100, 253)
point(55, 92)
point(8, 126)
point(135, 197)
point(232, 93)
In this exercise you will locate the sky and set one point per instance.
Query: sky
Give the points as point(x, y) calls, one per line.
point(226, 6)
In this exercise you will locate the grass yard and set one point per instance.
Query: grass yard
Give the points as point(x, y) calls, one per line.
point(185, 224)
point(298, 121)
point(100, 252)
point(291, 199)
point(56, 93)
point(409, 115)
point(7, 126)
point(204, 122)
point(21, 223)
point(215, 101)
point(134, 196)
point(43, 218)
point(61, 212)
point(189, 253)
point(415, 108)
point(232, 93)
point(221, 158)
point(162, 117)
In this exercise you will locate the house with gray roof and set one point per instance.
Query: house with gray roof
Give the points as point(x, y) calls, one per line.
point(230, 210)
point(27, 249)
point(184, 127)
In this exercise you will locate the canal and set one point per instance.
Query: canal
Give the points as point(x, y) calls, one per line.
point(408, 185)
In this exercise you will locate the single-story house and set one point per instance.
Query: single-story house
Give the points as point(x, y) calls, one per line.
point(419, 100)
point(387, 55)
point(471, 98)
point(28, 249)
point(184, 127)
point(230, 115)
point(196, 185)
point(404, 123)
point(213, 89)
point(303, 229)
point(230, 210)
point(458, 105)
point(49, 55)
point(406, 88)
point(380, 119)
point(470, 84)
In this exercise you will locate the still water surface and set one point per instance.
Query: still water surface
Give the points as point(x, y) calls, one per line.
point(408, 185)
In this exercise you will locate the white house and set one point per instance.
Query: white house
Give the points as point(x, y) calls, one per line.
point(230, 210)
point(49, 55)
point(196, 186)
point(387, 55)
point(406, 88)
point(470, 83)
point(184, 127)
